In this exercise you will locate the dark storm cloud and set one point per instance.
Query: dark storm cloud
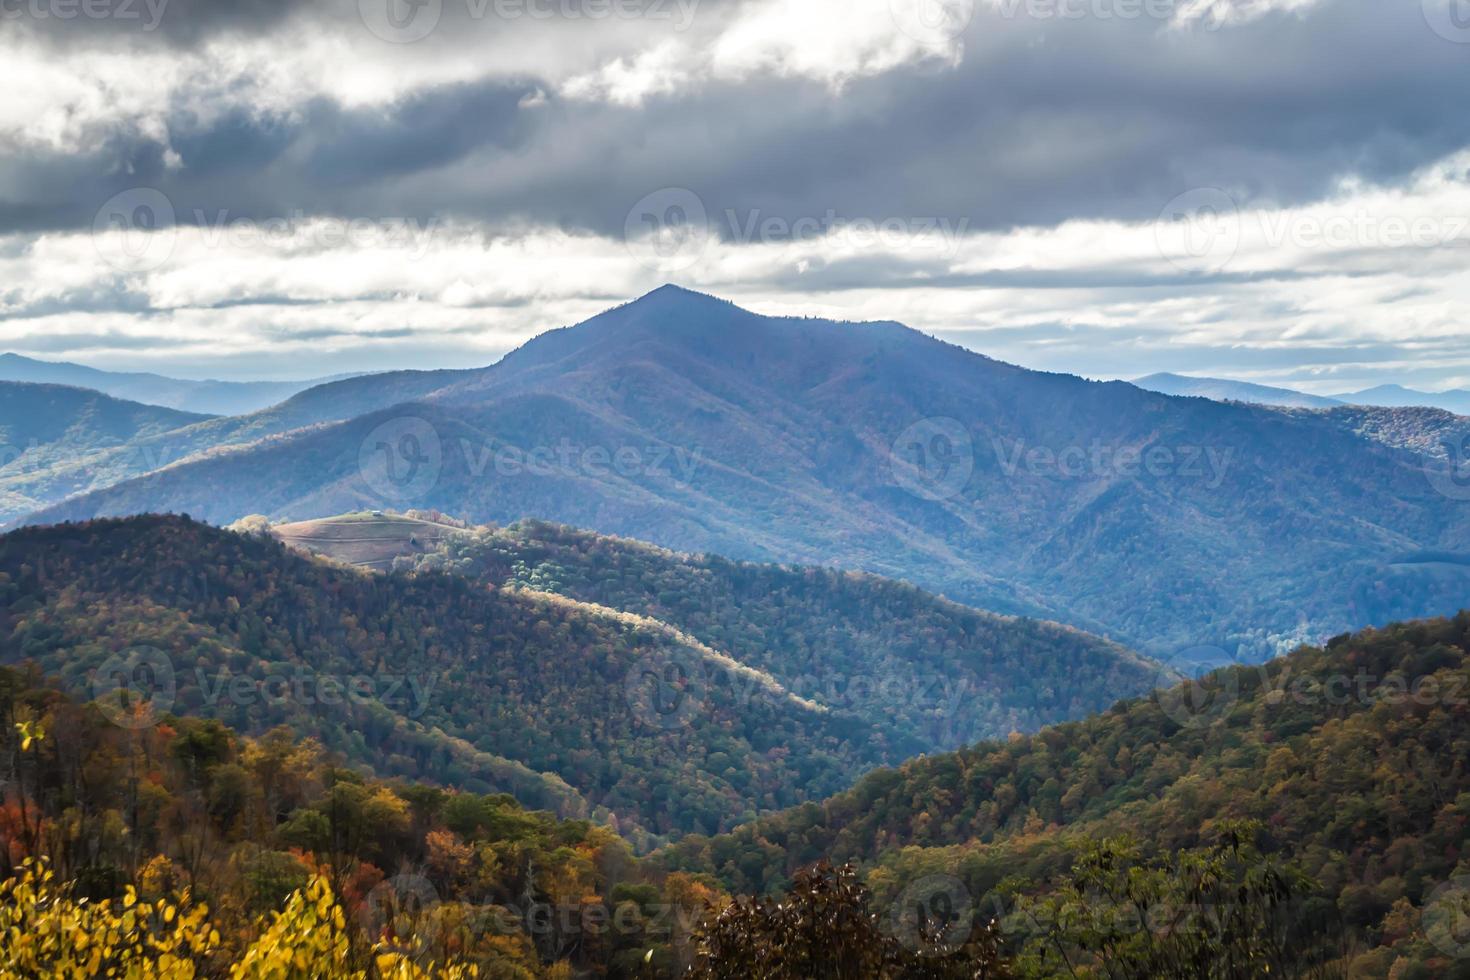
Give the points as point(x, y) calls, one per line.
point(323, 159)
point(1043, 121)
point(188, 24)
point(180, 23)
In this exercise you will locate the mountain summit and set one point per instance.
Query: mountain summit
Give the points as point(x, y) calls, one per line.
point(685, 420)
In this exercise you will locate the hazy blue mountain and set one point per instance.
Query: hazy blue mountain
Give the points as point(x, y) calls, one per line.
point(1225, 390)
point(1397, 396)
point(204, 397)
point(684, 420)
point(53, 439)
point(32, 487)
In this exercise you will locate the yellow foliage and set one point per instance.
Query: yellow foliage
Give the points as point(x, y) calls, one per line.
point(46, 932)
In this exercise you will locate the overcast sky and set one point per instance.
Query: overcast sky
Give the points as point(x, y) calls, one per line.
point(1275, 190)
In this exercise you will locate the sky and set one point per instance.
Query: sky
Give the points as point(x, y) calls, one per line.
point(1271, 190)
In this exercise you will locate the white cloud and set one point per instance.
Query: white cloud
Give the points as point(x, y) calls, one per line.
point(1091, 297)
point(828, 41)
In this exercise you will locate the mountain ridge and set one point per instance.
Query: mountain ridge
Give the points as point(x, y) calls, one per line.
point(206, 397)
point(877, 447)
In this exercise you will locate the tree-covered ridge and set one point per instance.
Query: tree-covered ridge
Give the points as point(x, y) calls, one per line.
point(431, 675)
point(190, 850)
point(56, 440)
point(181, 849)
point(906, 661)
point(1164, 522)
point(1355, 758)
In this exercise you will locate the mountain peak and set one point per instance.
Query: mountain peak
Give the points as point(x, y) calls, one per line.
point(671, 295)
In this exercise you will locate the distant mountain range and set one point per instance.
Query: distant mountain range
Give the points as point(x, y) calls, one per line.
point(682, 419)
point(57, 440)
point(1222, 390)
point(39, 480)
point(1397, 396)
point(1383, 396)
point(202, 397)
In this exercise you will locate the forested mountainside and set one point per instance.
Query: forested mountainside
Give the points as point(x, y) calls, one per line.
point(1353, 865)
point(180, 848)
point(56, 441)
point(238, 824)
point(571, 704)
point(898, 657)
point(1163, 522)
point(579, 708)
point(1354, 758)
